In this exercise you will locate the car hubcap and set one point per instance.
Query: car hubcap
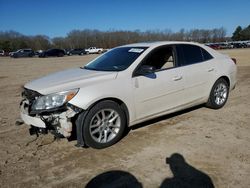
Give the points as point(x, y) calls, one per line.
point(220, 94)
point(105, 125)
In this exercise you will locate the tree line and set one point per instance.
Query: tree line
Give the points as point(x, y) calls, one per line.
point(241, 33)
point(12, 40)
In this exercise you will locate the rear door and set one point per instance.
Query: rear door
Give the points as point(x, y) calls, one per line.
point(197, 69)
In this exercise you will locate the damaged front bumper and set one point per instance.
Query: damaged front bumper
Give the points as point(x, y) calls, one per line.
point(58, 121)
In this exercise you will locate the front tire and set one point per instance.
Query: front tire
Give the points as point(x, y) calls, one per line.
point(104, 125)
point(219, 94)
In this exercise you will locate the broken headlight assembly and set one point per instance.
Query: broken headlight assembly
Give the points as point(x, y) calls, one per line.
point(52, 101)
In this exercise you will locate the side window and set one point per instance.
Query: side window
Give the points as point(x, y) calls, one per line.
point(161, 58)
point(189, 54)
point(192, 54)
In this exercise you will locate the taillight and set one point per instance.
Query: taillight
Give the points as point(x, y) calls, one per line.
point(234, 60)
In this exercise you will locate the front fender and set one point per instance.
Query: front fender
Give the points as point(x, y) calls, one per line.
point(88, 96)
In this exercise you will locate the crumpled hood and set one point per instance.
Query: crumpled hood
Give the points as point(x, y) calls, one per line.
point(69, 79)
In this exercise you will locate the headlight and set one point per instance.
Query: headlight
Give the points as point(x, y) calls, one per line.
point(53, 100)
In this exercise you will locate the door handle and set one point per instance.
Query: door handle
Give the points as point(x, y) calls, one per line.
point(210, 70)
point(176, 78)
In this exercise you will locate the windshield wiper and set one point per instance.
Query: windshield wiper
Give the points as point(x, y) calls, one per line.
point(108, 69)
point(88, 68)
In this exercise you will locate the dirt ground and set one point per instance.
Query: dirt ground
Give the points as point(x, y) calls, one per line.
point(202, 145)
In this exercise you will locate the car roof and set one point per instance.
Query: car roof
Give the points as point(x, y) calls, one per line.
point(159, 43)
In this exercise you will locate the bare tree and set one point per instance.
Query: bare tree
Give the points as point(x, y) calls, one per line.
point(11, 40)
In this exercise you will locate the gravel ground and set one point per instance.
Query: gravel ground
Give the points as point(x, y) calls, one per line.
point(193, 147)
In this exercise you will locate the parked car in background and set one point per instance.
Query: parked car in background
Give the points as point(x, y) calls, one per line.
point(225, 45)
point(23, 53)
point(66, 50)
point(77, 51)
point(2, 53)
point(239, 45)
point(244, 44)
point(38, 52)
point(213, 46)
point(229, 45)
point(52, 53)
point(94, 50)
point(125, 86)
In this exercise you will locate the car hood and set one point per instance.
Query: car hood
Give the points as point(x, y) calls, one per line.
point(69, 79)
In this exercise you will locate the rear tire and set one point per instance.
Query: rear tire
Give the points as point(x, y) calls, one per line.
point(218, 95)
point(103, 125)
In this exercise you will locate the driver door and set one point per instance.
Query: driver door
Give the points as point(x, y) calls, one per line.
point(162, 89)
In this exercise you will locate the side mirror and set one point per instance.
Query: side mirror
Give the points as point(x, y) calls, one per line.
point(145, 69)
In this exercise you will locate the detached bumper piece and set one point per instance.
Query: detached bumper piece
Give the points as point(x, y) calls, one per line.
point(29, 120)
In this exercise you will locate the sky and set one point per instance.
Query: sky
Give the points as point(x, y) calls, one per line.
point(56, 18)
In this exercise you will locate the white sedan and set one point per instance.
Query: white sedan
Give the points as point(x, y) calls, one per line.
point(125, 86)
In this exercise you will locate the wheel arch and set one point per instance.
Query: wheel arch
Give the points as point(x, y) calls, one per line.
point(226, 79)
point(118, 101)
point(210, 103)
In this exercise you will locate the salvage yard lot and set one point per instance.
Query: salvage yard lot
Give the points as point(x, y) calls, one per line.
point(214, 142)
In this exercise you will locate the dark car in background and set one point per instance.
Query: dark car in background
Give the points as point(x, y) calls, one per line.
point(77, 51)
point(239, 45)
point(52, 53)
point(23, 53)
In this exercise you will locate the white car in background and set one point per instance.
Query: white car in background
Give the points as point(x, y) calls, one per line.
point(2, 53)
point(125, 86)
point(94, 50)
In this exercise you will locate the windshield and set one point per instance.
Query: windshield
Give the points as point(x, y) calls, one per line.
point(117, 59)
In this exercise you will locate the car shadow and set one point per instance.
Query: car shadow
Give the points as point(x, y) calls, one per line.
point(164, 117)
point(185, 175)
point(114, 179)
point(73, 137)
